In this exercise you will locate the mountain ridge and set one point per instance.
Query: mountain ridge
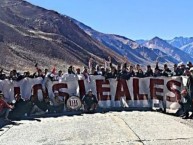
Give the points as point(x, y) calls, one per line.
point(31, 34)
point(183, 43)
point(27, 29)
point(136, 52)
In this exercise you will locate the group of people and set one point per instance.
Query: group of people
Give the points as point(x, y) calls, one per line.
point(108, 71)
point(58, 104)
point(187, 98)
point(22, 108)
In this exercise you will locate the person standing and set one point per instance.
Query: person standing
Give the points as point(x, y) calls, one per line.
point(189, 88)
point(149, 71)
point(186, 105)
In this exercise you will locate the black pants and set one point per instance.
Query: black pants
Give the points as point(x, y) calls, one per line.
point(187, 107)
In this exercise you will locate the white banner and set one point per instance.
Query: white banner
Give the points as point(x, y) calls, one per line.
point(135, 92)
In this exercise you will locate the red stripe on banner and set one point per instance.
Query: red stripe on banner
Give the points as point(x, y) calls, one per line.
point(101, 90)
point(170, 85)
point(136, 94)
point(153, 89)
point(122, 90)
point(82, 89)
point(57, 87)
point(35, 91)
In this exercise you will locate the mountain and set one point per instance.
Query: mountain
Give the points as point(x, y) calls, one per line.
point(183, 43)
point(180, 41)
point(30, 34)
point(133, 50)
point(164, 46)
point(188, 48)
point(141, 41)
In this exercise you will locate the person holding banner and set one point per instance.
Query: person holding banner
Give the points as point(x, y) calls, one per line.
point(4, 107)
point(90, 102)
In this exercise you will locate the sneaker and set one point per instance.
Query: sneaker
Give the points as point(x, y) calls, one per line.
point(185, 117)
point(191, 116)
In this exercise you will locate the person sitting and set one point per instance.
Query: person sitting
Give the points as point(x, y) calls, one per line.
point(90, 102)
point(5, 108)
point(36, 106)
point(57, 103)
point(21, 107)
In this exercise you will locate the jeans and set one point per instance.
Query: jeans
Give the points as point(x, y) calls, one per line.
point(5, 112)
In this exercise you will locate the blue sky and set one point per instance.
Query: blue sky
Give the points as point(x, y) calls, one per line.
point(134, 19)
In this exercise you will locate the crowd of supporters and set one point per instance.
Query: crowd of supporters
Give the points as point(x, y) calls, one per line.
point(57, 104)
point(20, 107)
point(123, 71)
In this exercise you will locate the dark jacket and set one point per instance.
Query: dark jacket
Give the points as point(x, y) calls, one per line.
point(189, 86)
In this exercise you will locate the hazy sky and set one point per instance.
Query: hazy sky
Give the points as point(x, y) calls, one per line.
point(134, 19)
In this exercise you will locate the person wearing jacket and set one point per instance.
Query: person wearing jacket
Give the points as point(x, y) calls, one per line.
point(5, 108)
point(90, 102)
point(189, 88)
point(186, 105)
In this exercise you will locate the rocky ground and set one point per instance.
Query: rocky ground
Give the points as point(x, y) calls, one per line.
point(133, 127)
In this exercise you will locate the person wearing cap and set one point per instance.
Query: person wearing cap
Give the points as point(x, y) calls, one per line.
point(90, 102)
point(189, 88)
point(4, 107)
